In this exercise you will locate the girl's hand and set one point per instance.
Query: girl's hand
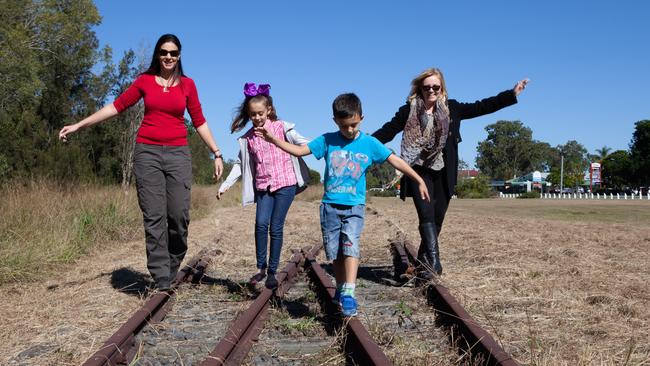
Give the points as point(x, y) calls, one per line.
point(264, 133)
point(520, 86)
point(67, 130)
point(219, 194)
point(218, 168)
point(424, 192)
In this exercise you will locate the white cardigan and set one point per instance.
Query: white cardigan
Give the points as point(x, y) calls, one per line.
point(244, 160)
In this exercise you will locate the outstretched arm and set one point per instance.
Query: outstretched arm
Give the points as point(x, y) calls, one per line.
point(391, 128)
point(403, 167)
point(488, 105)
point(296, 150)
point(101, 115)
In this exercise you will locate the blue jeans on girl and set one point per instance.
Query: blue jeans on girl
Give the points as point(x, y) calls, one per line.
point(272, 208)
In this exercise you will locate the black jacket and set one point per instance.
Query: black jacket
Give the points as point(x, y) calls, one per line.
point(457, 112)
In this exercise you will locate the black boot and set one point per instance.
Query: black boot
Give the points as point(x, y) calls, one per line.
point(423, 268)
point(429, 246)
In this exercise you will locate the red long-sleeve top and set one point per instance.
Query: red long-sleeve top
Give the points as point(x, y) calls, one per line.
point(163, 122)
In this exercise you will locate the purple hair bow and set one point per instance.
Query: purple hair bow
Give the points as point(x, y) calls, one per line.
point(250, 90)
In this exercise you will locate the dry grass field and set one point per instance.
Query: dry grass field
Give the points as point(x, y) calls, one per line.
point(555, 282)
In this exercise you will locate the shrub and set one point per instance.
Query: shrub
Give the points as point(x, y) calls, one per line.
point(474, 188)
point(531, 194)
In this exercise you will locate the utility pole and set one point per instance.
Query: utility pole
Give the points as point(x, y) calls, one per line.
point(561, 173)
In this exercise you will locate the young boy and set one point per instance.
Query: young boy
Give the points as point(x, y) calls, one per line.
point(348, 153)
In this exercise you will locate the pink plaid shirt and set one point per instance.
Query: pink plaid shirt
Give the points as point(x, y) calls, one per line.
point(273, 166)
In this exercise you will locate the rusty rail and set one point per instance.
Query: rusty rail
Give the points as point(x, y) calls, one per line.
point(234, 347)
point(359, 345)
point(120, 347)
point(470, 337)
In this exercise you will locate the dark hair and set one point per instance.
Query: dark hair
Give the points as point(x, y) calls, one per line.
point(243, 116)
point(347, 105)
point(154, 67)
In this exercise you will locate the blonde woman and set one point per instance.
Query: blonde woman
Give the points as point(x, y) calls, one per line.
point(430, 123)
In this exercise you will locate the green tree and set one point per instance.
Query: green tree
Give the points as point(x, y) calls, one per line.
point(510, 151)
point(474, 188)
point(603, 152)
point(640, 153)
point(202, 161)
point(380, 175)
point(462, 165)
point(48, 51)
point(314, 177)
point(617, 169)
point(576, 163)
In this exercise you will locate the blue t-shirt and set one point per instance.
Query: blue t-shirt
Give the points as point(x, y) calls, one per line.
point(346, 162)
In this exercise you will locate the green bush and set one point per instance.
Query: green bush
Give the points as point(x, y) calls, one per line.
point(314, 177)
point(531, 194)
point(474, 188)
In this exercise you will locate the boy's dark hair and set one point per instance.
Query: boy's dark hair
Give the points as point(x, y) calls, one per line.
point(346, 105)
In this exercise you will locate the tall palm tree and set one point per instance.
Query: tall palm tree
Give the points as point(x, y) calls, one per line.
point(603, 152)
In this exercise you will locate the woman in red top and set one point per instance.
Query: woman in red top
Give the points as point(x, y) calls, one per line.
point(162, 161)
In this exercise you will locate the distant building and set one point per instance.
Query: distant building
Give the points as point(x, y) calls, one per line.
point(467, 174)
point(525, 183)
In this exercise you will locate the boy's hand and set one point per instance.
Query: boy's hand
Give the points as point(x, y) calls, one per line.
point(424, 192)
point(265, 134)
point(401, 165)
point(219, 194)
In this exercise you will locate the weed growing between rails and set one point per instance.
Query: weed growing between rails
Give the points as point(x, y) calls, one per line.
point(45, 226)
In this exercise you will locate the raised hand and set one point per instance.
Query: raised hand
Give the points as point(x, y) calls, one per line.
point(520, 86)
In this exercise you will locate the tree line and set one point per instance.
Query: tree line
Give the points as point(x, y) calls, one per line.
point(510, 151)
point(54, 73)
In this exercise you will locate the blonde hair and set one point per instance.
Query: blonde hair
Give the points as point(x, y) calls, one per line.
point(416, 84)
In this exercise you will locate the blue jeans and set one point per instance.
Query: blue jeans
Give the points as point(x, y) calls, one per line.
point(272, 208)
point(341, 226)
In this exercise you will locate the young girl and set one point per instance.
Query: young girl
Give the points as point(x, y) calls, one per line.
point(270, 175)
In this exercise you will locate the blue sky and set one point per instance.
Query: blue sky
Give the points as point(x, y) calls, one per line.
point(588, 61)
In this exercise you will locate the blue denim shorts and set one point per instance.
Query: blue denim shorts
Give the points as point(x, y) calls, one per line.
point(342, 226)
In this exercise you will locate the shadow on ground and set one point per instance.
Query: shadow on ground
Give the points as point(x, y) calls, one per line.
point(131, 282)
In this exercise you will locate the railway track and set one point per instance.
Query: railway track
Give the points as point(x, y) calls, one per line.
point(120, 348)
point(465, 333)
point(131, 343)
point(222, 322)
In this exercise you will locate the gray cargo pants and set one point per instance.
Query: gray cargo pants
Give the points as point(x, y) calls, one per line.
point(164, 177)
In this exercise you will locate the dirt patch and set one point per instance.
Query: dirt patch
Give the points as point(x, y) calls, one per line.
point(551, 291)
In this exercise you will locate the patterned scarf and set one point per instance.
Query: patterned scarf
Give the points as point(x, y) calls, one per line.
point(424, 137)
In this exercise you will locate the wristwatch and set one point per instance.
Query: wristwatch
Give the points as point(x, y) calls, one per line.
point(217, 154)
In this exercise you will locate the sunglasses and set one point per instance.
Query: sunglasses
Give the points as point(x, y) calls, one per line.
point(434, 88)
point(163, 53)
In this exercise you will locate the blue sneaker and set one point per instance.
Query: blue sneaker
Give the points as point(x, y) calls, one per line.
point(348, 305)
point(336, 300)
